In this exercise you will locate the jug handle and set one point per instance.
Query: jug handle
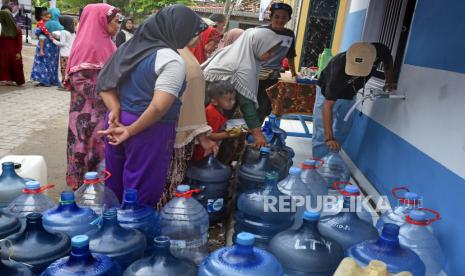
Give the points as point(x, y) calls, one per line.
point(38, 191)
point(320, 164)
point(437, 216)
point(395, 193)
point(98, 180)
point(337, 184)
point(187, 194)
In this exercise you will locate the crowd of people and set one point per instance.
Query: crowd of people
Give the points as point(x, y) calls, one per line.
point(158, 96)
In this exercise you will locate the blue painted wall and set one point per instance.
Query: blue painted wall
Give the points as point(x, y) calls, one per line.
point(438, 35)
point(389, 161)
point(353, 29)
point(436, 45)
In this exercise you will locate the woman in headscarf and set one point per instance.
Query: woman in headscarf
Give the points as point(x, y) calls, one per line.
point(240, 64)
point(192, 127)
point(11, 61)
point(208, 43)
point(229, 37)
point(126, 32)
point(91, 50)
point(45, 67)
point(141, 86)
point(66, 41)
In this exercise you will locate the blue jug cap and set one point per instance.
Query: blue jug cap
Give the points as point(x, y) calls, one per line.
point(295, 171)
point(91, 175)
point(390, 231)
point(130, 195)
point(183, 188)
point(272, 116)
point(265, 149)
point(417, 215)
point(411, 196)
point(311, 216)
point(67, 196)
point(79, 241)
point(352, 189)
point(33, 185)
point(245, 238)
point(310, 162)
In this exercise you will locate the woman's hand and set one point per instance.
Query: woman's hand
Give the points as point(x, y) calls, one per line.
point(208, 145)
point(259, 139)
point(18, 56)
point(41, 53)
point(116, 135)
point(113, 118)
point(333, 145)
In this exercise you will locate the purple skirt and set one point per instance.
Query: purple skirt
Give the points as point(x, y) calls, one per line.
point(142, 161)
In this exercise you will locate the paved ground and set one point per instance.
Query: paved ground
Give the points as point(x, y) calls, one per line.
point(34, 120)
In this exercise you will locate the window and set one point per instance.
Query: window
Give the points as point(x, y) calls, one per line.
point(388, 22)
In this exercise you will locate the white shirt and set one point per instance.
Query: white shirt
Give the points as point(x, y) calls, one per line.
point(66, 42)
point(171, 71)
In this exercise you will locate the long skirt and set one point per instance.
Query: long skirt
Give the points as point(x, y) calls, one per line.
point(142, 161)
point(63, 63)
point(45, 68)
point(176, 172)
point(11, 68)
point(86, 117)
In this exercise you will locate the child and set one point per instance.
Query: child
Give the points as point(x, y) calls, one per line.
point(67, 37)
point(222, 97)
point(44, 17)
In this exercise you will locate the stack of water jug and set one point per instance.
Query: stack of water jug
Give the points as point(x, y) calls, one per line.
point(282, 224)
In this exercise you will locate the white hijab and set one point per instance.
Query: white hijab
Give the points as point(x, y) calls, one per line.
point(239, 63)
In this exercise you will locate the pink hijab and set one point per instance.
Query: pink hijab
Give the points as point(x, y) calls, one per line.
point(93, 45)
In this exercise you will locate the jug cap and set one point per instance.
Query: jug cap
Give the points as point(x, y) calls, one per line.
point(265, 150)
point(295, 171)
point(272, 116)
point(245, 238)
point(390, 231)
point(80, 241)
point(33, 185)
point(417, 215)
point(67, 196)
point(130, 195)
point(183, 188)
point(161, 241)
point(411, 196)
point(91, 175)
point(352, 189)
point(310, 162)
point(311, 216)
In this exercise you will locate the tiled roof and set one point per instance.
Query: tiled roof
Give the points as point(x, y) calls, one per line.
point(248, 8)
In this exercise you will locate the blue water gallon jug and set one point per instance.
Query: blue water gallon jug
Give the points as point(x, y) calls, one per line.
point(258, 212)
point(185, 221)
point(388, 250)
point(32, 200)
point(81, 262)
point(35, 246)
point(299, 193)
point(306, 251)
point(123, 245)
point(138, 216)
point(334, 169)
point(252, 175)
point(212, 179)
point(14, 268)
point(161, 262)
point(95, 195)
point(346, 227)
point(406, 202)
point(68, 217)
point(9, 224)
point(241, 259)
point(415, 234)
point(11, 184)
point(279, 159)
point(313, 178)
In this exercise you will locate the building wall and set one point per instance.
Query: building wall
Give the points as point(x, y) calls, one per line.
point(420, 142)
point(340, 22)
